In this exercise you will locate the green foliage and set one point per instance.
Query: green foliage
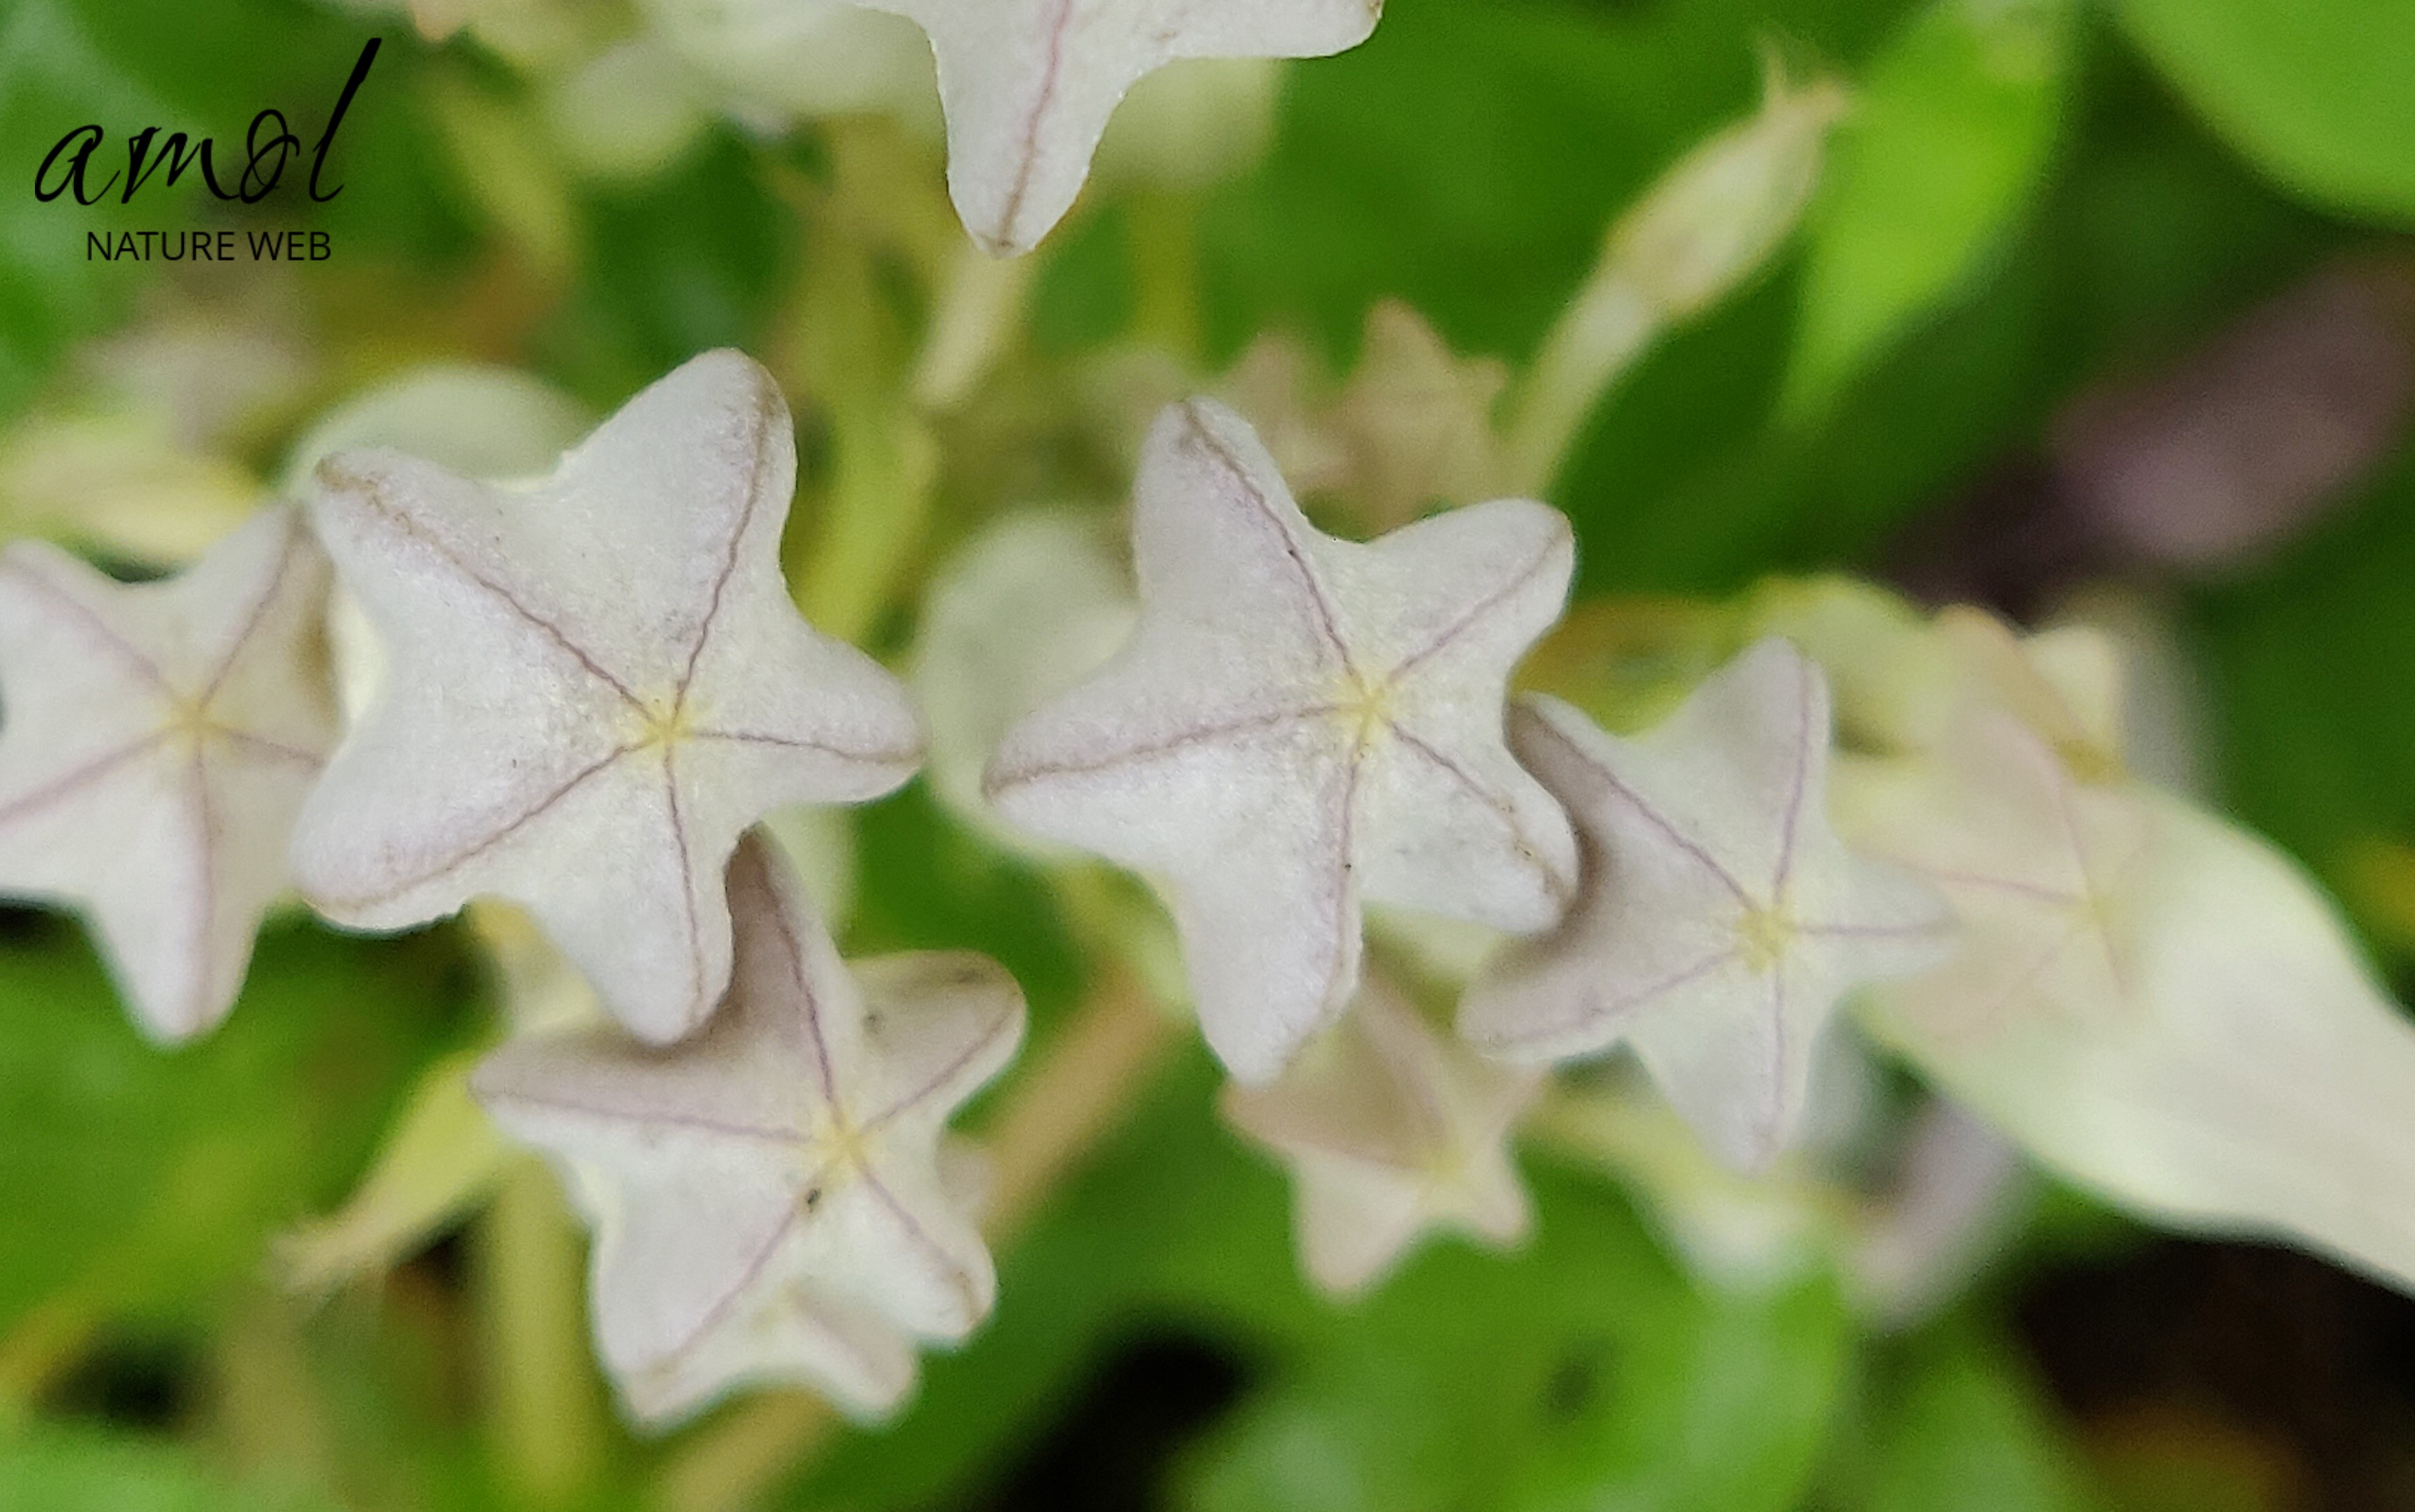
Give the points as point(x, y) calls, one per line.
point(1583, 1373)
point(140, 1182)
point(2314, 91)
point(1962, 1434)
point(1468, 158)
point(2308, 663)
point(55, 1470)
point(1948, 143)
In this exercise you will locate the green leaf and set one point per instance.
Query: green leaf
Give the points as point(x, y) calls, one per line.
point(141, 1181)
point(1948, 144)
point(2315, 92)
point(1965, 1435)
point(58, 1469)
point(1470, 155)
point(2306, 664)
point(1582, 1372)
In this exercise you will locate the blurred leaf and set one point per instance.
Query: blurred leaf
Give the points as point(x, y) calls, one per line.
point(1584, 1372)
point(55, 1470)
point(141, 1181)
point(691, 261)
point(2307, 665)
point(2314, 91)
point(1948, 143)
point(1965, 1435)
point(1470, 156)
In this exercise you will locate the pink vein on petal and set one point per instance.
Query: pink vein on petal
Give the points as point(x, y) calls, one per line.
point(1327, 622)
point(809, 1011)
point(1610, 780)
point(142, 663)
point(687, 861)
point(954, 1067)
point(257, 613)
point(1793, 821)
point(374, 499)
point(691, 1122)
point(747, 1276)
point(1622, 1007)
point(206, 869)
point(1028, 159)
point(764, 413)
point(1168, 745)
point(91, 771)
point(1554, 883)
point(922, 1238)
point(478, 848)
point(1485, 606)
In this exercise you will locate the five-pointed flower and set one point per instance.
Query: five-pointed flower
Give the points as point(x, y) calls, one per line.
point(1029, 85)
point(1721, 921)
point(1298, 719)
point(769, 1198)
point(160, 740)
point(593, 685)
point(1391, 1130)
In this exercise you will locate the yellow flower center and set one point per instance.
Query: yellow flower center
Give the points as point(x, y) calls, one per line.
point(1364, 706)
point(1762, 936)
point(662, 726)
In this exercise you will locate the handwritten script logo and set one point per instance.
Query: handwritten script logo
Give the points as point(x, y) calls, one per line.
point(69, 164)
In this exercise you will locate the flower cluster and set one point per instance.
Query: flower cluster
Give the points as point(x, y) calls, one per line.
point(1421, 910)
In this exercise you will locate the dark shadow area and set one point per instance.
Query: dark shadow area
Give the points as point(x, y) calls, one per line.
point(1110, 1449)
point(2302, 1374)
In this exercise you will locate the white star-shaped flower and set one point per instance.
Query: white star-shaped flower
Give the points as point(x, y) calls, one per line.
point(158, 741)
point(593, 685)
point(1722, 919)
point(1391, 1131)
point(1299, 721)
point(1029, 85)
point(769, 1198)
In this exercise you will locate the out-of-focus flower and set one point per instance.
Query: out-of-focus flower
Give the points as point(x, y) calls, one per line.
point(2254, 436)
point(1392, 1132)
point(593, 685)
point(1029, 85)
point(1958, 1190)
point(496, 424)
point(1706, 226)
point(770, 61)
point(1299, 720)
point(1416, 422)
point(2152, 1002)
point(1035, 604)
point(1721, 921)
point(770, 1199)
point(160, 740)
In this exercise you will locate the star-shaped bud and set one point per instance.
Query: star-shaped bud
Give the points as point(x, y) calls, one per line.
point(1392, 1132)
point(160, 740)
point(1722, 919)
point(1297, 721)
point(769, 1198)
point(2035, 861)
point(1029, 85)
point(593, 685)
